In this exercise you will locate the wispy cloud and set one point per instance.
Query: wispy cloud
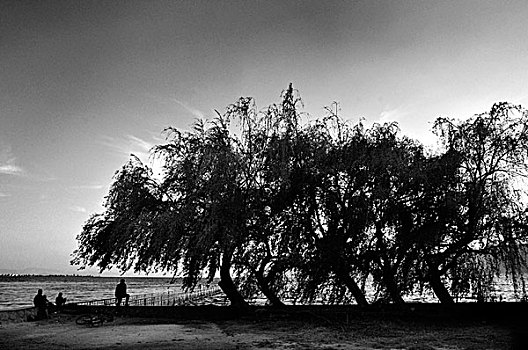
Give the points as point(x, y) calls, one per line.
point(139, 143)
point(170, 100)
point(87, 187)
point(78, 209)
point(195, 112)
point(8, 162)
point(129, 144)
point(11, 169)
point(4, 195)
point(393, 114)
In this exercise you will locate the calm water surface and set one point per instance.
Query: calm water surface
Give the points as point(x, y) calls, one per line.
point(18, 291)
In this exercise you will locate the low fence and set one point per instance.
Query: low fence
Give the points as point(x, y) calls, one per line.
point(158, 299)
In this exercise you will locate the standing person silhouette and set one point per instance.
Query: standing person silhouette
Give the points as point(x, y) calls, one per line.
point(121, 292)
point(41, 303)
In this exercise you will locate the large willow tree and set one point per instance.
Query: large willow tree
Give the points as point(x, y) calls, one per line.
point(278, 207)
point(219, 207)
point(488, 235)
point(192, 220)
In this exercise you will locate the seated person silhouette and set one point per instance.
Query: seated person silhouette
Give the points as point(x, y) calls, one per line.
point(121, 292)
point(59, 301)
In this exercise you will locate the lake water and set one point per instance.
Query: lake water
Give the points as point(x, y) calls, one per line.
point(18, 291)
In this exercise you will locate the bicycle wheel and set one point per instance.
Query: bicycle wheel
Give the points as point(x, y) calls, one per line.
point(84, 320)
point(97, 320)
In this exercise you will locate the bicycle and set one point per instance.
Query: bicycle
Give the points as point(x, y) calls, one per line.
point(94, 320)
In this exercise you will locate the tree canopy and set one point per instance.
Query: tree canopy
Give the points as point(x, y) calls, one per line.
point(317, 209)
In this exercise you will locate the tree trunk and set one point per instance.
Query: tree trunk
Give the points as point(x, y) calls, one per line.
point(351, 284)
point(392, 286)
point(270, 294)
point(385, 265)
point(439, 288)
point(227, 284)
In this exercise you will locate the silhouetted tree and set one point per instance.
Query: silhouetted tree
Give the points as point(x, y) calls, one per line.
point(122, 236)
point(489, 234)
point(214, 209)
point(329, 204)
point(267, 145)
point(393, 165)
point(275, 206)
point(194, 216)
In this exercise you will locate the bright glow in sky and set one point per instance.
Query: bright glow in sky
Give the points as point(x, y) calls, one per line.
point(85, 83)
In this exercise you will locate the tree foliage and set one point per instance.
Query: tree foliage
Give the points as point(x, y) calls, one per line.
point(316, 210)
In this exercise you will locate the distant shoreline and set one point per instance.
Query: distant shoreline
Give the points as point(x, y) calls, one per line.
point(15, 275)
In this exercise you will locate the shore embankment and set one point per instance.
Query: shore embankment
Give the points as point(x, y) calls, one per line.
point(497, 326)
point(493, 326)
point(485, 312)
point(18, 315)
point(503, 312)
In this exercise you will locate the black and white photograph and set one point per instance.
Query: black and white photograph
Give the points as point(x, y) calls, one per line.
point(264, 174)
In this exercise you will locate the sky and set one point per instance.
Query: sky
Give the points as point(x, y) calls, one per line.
point(84, 84)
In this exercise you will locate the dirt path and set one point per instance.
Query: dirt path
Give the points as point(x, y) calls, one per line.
point(129, 333)
point(153, 334)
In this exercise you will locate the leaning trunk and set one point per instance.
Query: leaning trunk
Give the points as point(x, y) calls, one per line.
point(351, 284)
point(268, 292)
point(439, 288)
point(227, 284)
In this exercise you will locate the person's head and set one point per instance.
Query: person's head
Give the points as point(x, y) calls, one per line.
point(122, 280)
point(39, 292)
point(60, 294)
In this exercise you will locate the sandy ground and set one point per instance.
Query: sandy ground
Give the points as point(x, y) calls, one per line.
point(264, 333)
